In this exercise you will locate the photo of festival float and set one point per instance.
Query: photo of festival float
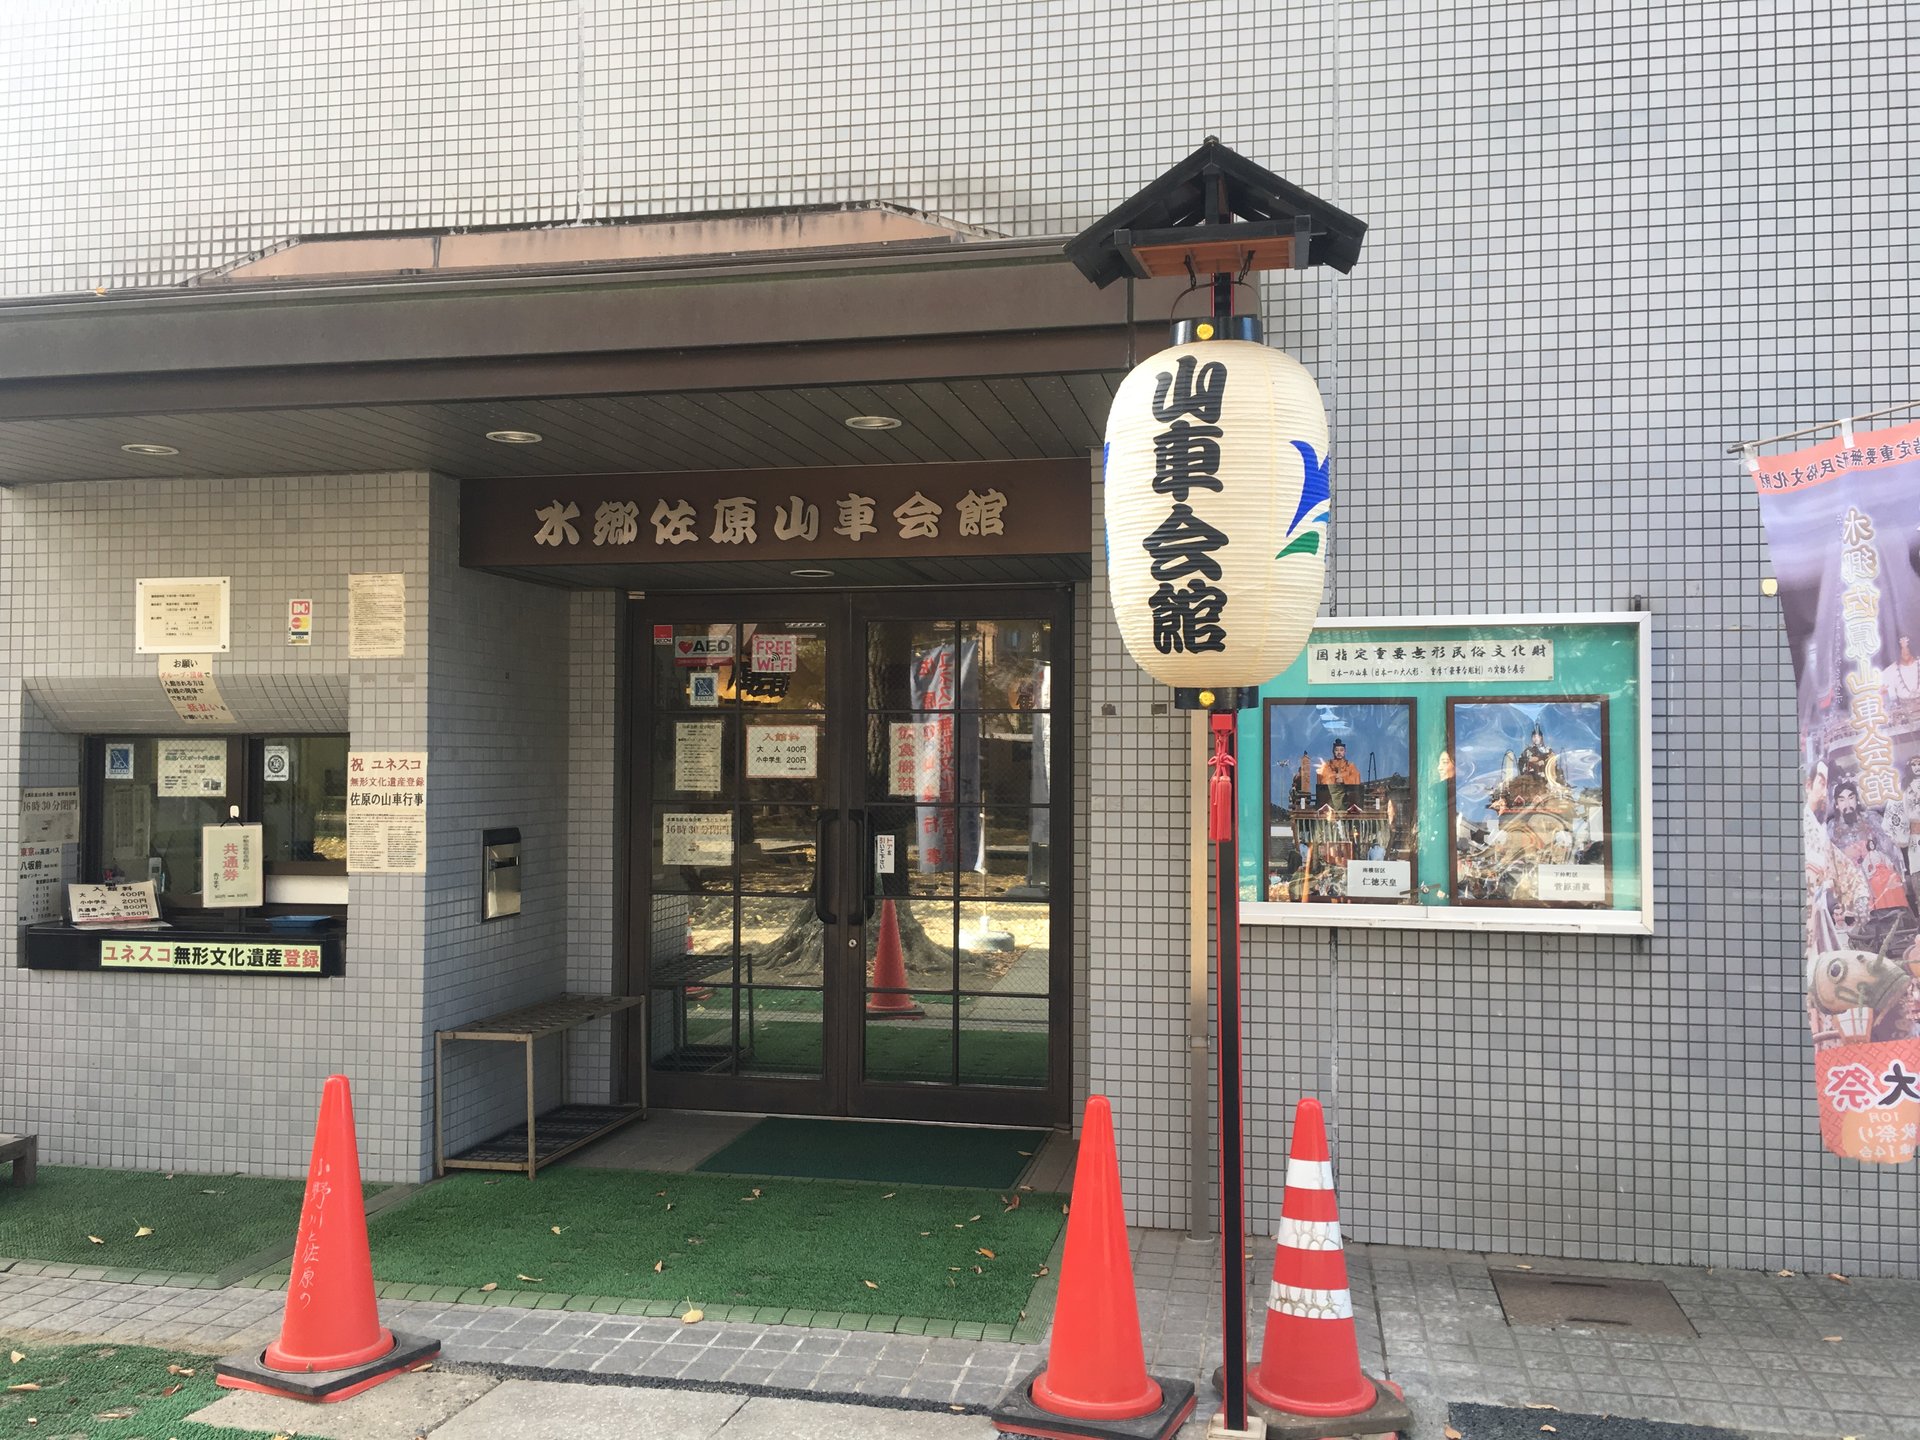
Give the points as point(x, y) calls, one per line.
point(1528, 785)
point(1340, 821)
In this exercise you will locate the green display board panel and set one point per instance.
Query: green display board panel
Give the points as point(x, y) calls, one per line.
point(1487, 766)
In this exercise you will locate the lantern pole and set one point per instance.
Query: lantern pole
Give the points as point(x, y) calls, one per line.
point(1222, 806)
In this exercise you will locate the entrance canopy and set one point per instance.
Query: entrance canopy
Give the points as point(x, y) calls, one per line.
point(987, 352)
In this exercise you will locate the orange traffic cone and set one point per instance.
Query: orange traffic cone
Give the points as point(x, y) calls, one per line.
point(331, 1343)
point(1310, 1357)
point(890, 972)
point(1095, 1381)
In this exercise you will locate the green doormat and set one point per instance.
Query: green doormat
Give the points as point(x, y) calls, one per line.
point(878, 1150)
point(800, 1252)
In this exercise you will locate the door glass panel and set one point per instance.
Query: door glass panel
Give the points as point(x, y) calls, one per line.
point(902, 1051)
point(694, 650)
point(1015, 659)
point(1004, 946)
point(1015, 858)
point(695, 758)
point(692, 1028)
point(693, 939)
point(777, 848)
point(925, 928)
point(910, 665)
point(783, 666)
point(782, 1031)
point(782, 942)
point(1003, 1040)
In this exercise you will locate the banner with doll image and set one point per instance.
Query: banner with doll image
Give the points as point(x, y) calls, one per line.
point(1843, 523)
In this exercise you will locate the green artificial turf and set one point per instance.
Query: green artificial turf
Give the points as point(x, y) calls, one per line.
point(85, 1390)
point(877, 1150)
point(797, 1244)
point(201, 1223)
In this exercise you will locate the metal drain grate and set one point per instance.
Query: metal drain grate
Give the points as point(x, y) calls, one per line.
point(1590, 1302)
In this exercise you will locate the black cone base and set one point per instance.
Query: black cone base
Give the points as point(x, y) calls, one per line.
point(250, 1372)
point(1016, 1414)
point(1387, 1414)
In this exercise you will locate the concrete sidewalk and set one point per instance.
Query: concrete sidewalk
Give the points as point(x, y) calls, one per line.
point(1774, 1356)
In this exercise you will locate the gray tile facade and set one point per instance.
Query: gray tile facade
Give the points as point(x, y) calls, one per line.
point(1606, 242)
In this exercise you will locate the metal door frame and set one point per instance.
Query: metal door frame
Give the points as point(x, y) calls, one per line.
point(840, 1090)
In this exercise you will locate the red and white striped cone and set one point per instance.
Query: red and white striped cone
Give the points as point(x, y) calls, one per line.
point(1310, 1356)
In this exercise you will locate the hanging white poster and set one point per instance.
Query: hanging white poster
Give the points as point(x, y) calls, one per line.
point(387, 812)
point(230, 868)
point(696, 839)
point(696, 755)
point(192, 767)
point(783, 752)
point(188, 683)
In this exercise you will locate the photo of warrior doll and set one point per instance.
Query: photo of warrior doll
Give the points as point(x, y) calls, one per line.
point(1858, 995)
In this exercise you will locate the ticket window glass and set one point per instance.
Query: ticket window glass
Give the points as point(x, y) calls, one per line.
point(150, 795)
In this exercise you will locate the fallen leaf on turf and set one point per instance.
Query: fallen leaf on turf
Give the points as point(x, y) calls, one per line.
point(756, 1192)
point(489, 1287)
point(1831, 1339)
point(669, 1204)
point(1784, 1274)
point(178, 1370)
point(1538, 1405)
point(1836, 1275)
point(282, 1435)
point(423, 1365)
point(1063, 1209)
point(953, 1267)
point(1024, 1152)
point(661, 1193)
point(1027, 1188)
point(978, 1270)
point(1013, 1204)
point(659, 1267)
point(554, 1228)
point(169, 1175)
point(124, 1412)
point(988, 1253)
point(143, 1232)
point(96, 1239)
point(695, 1240)
point(1041, 1271)
point(869, 1284)
point(23, 1387)
point(532, 1279)
point(926, 1232)
point(693, 1317)
point(972, 1218)
point(16, 1357)
point(1548, 1429)
point(222, 1192)
point(172, 1390)
point(1451, 1433)
point(890, 1194)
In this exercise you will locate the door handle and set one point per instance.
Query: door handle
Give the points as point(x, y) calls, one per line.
point(821, 870)
point(867, 872)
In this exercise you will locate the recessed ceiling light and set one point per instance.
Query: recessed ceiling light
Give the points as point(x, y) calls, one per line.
point(872, 422)
point(514, 437)
point(813, 574)
point(149, 449)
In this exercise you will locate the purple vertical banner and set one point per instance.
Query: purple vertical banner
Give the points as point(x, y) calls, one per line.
point(1843, 523)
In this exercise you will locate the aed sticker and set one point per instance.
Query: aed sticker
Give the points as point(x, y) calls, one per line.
point(703, 649)
point(703, 690)
point(883, 854)
point(663, 634)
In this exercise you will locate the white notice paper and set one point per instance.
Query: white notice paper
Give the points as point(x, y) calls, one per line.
point(192, 767)
point(50, 816)
point(1573, 884)
point(903, 757)
point(696, 755)
point(387, 812)
point(230, 869)
point(188, 683)
point(883, 854)
point(42, 869)
point(376, 617)
point(171, 616)
point(1382, 879)
point(783, 752)
point(696, 839)
point(113, 904)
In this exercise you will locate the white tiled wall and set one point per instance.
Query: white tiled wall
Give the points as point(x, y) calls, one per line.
point(1607, 241)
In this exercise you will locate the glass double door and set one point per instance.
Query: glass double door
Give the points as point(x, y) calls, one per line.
point(854, 810)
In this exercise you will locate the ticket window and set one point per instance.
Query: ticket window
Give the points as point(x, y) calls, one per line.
point(149, 797)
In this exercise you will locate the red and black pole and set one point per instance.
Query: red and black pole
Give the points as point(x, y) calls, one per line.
point(1221, 811)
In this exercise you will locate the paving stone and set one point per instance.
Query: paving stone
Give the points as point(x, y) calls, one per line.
point(400, 1409)
point(539, 1410)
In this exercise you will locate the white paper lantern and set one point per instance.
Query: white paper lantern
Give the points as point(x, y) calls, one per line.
point(1217, 505)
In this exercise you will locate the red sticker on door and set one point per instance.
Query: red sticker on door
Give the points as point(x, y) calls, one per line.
point(703, 650)
point(663, 634)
